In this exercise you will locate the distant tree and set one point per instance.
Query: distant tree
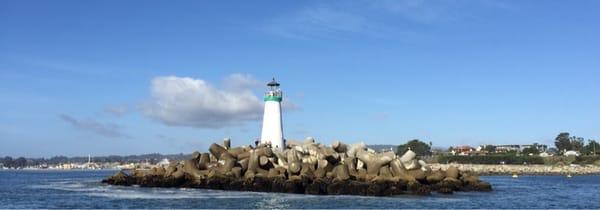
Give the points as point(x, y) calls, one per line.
point(552, 150)
point(563, 142)
point(20, 162)
point(490, 148)
point(8, 161)
point(531, 150)
point(540, 147)
point(419, 147)
point(114, 158)
point(58, 160)
point(576, 143)
point(437, 150)
point(592, 148)
point(511, 152)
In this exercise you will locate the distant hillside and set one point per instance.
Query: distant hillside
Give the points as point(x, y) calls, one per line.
point(381, 147)
point(152, 158)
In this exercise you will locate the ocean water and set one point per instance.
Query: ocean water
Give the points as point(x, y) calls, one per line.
point(82, 189)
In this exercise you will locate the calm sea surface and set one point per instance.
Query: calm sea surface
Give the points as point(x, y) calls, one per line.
point(82, 189)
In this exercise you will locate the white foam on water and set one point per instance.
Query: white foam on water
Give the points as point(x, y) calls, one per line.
point(68, 186)
point(273, 202)
point(94, 188)
point(156, 193)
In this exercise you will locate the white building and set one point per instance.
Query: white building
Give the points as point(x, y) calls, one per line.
point(164, 162)
point(571, 153)
point(272, 129)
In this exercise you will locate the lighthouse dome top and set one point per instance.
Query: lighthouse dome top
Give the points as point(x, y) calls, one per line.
point(273, 83)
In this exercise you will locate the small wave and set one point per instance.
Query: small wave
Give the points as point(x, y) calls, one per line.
point(144, 193)
point(59, 186)
point(93, 188)
point(273, 202)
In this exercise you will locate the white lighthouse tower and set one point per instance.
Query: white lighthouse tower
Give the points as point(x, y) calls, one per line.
point(272, 130)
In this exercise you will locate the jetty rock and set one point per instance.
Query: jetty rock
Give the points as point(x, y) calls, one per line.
point(306, 168)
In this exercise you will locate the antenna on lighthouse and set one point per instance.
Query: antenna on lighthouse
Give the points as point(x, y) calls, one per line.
point(272, 129)
point(273, 84)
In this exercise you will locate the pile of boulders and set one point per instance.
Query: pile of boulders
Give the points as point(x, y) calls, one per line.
point(308, 167)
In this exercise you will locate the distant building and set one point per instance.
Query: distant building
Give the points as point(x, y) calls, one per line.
point(539, 147)
point(571, 153)
point(383, 147)
point(515, 147)
point(462, 150)
point(164, 162)
point(507, 148)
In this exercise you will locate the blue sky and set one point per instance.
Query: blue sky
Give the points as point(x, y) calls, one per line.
point(131, 77)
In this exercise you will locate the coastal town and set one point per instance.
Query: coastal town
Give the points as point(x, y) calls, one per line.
point(89, 163)
point(573, 157)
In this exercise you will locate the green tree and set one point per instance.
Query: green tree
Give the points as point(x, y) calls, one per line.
point(419, 147)
point(20, 162)
point(562, 142)
point(531, 150)
point(577, 143)
point(8, 161)
point(552, 150)
point(437, 150)
point(592, 148)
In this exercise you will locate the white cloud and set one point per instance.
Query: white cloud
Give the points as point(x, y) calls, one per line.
point(376, 19)
point(116, 110)
point(107, 130)
point(191, 102)
point(317, 21)
point(241, 82)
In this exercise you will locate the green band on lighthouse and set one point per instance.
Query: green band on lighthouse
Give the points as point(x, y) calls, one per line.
point(273, 98)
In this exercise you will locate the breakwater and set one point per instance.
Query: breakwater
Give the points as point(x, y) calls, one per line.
point(307, 168)
point(481, 169)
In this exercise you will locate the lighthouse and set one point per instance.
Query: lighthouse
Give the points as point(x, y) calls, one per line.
point(272, 129)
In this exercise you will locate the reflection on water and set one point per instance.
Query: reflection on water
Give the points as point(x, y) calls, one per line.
point(82, 189)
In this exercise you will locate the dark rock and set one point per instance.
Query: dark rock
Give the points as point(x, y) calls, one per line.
point(477, 186)
point(418, 188)
point(293, 186)
point(278, 184)
point(376, 189)
point(120, 178)
point(337, 188)
point(302, 184)
point(262, 184)
point(358, 188)
point(313, 189)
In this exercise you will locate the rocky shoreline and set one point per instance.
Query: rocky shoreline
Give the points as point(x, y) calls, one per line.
point(305, 168)
point(484, 170)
